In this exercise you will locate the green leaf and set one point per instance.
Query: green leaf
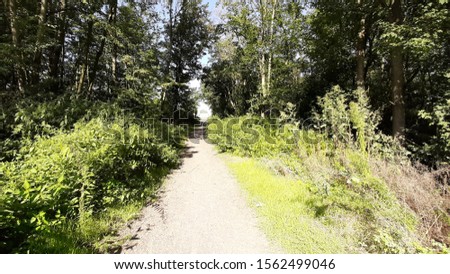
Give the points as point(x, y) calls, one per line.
point(26, 185)
point(61, 179)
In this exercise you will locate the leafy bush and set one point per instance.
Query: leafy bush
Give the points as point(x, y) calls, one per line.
point(33, 117)
point(339, 176)
point(439, 147)
point(79, 173)
point(347, 118)
point(255, 136)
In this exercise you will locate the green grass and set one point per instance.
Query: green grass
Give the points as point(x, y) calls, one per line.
point(90, 234)
point(304, 218)
point(286, 209)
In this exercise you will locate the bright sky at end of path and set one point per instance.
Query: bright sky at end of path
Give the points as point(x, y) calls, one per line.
point(203, 109)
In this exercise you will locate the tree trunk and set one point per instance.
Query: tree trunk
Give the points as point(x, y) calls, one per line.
point(56, 56)
point(397, 77)
point(42, 17)
point(165, 90)
point(15, 35)
point(271, 40)
point(85, 57)
point(114, 55)
point(93, 74)
point(262, 55)
point(262, 72)
point(267, 10)
point(114, 79)
point(361, 54)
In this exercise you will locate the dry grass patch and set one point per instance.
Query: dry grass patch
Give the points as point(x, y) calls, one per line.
point(418, 188)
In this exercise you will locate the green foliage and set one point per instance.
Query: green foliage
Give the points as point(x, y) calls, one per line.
point(256, 63)
point(91, 234)
point(81, 96)
point(251, 135)
point(335, 118)
point(439, 147)
point(337, 191)
point(44, 118)
point(79, 173)
point(348, 120)
point(269, 54)
point(228, 85)
point(188, 35)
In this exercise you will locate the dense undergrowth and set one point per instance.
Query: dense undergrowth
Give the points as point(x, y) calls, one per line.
point(73, 171)
point(339, 179)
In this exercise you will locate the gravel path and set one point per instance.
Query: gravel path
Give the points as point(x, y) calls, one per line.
point(201, 209)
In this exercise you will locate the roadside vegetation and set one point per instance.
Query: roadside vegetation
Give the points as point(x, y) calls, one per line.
point(335, 185)
point(342, 110)
point(90, 96)
point(65, 190)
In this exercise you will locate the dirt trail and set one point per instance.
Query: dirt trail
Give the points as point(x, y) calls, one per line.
point(201, 209)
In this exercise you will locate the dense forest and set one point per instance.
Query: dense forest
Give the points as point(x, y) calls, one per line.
point(83, 82)
point(350, 99)
point(274, 53)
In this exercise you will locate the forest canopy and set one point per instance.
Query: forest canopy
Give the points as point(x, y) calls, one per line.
point(273, 54)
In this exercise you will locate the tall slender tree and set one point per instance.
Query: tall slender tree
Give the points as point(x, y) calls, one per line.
point(17, 46)
point(397, 75)
point(188, 31)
